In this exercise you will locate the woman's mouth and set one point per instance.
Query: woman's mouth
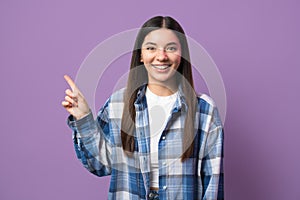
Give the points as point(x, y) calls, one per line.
point(161, 67)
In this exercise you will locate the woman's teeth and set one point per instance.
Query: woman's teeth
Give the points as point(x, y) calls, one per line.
point(161, 66)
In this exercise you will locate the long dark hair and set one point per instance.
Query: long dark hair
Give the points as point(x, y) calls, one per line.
point(138, 76)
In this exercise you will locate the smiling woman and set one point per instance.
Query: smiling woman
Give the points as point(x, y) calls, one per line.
point(156, 137)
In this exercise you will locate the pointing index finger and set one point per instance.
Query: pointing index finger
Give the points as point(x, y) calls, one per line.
point(70, 82)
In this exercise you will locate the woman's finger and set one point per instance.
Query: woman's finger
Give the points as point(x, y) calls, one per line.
point(72, 101)
point(71, 83)
point(69, 93)
point(66, 104)
point(73, 96)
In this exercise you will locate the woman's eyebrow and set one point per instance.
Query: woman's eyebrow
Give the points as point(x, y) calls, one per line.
point(152, 43)
point(170, 43)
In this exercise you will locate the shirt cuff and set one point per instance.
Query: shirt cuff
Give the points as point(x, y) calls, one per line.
point(84, 126)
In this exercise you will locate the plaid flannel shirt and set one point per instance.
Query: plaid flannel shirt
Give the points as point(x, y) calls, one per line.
point(98, 146)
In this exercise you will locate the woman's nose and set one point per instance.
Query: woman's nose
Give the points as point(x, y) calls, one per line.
point(161, 55)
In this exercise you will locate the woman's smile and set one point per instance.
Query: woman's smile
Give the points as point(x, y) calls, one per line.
point(161, 67)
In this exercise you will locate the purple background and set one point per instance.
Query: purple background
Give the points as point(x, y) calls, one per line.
point(254, 43)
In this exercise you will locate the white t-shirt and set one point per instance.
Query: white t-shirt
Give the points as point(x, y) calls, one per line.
point(159, 109)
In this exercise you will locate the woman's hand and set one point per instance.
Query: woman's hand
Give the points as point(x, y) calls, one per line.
point(75, 102)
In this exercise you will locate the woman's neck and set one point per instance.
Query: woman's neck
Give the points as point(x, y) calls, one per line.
point(162, 90)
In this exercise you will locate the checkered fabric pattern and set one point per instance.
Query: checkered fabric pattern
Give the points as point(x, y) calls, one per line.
point(98, 146)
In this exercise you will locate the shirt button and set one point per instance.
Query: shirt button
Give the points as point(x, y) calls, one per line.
point(165, 187)
point(164, 163)
point(164, 137)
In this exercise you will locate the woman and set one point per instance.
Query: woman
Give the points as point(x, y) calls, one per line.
point(156, 138)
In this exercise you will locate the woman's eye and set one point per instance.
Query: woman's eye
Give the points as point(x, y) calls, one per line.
point(150, 48)
point(171, 49)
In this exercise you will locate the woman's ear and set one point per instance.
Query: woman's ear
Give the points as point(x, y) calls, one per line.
point(141, 60)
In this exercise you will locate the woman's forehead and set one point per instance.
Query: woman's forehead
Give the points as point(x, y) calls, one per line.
point(161, 36)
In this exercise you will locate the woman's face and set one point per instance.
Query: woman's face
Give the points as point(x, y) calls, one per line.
point(161, 55)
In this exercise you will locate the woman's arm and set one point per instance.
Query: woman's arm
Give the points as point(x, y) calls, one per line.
point(212, 162)
point(91, 146)
point(211, 157)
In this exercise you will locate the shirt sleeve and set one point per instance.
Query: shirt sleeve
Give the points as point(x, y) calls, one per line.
point(91, 144)
point(212, 162)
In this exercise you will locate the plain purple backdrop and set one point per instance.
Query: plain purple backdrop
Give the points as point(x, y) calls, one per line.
point(254, 43)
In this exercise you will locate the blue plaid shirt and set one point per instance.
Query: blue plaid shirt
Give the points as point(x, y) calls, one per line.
point(98, 146)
